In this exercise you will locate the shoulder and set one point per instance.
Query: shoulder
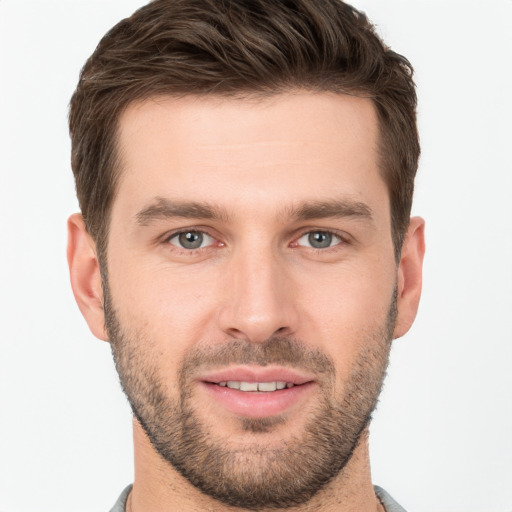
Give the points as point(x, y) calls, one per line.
point(120, 504)
point(387, 501)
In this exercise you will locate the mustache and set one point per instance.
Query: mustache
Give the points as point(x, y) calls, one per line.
point(283, 351)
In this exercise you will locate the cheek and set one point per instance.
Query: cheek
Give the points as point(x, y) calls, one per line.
point(346, 296)
point(345, 310)
point(171, 308)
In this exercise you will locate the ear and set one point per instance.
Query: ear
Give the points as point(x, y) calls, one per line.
point(84, 270)
point(410, 276)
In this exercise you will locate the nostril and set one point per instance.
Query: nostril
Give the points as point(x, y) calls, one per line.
point(236, 333)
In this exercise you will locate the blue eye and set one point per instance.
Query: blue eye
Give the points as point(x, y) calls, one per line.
point(319, 239)
point(191, 240)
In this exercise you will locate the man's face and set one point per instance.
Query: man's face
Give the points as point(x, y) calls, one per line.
point(251, 287)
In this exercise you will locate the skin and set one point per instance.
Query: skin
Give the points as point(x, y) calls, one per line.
point(257, 162)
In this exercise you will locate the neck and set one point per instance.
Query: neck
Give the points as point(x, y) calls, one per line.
point(159, 487)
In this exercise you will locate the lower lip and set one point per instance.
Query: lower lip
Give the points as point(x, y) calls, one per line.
point(253, 404)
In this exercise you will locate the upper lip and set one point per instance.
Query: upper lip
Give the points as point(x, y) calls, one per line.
point(257, 374)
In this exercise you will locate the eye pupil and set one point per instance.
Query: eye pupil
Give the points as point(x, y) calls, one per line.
point(320, 239)
point(191, 239)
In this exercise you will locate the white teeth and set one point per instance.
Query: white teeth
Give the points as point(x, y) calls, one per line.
point(249, 386)
point(267, 387)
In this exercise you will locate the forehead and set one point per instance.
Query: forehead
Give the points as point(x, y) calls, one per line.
point(249, 152)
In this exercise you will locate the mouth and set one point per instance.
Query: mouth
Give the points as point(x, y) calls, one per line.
point(258, 392)
point(263, 387)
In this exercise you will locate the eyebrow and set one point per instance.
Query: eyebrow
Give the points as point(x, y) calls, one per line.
point(330, 208)
point(162, 208)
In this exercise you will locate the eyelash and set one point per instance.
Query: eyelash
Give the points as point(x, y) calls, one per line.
point(343, 240)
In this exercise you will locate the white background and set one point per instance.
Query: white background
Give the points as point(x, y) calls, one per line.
point(442, 436)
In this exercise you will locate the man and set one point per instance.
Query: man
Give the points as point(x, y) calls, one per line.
point(245, 173)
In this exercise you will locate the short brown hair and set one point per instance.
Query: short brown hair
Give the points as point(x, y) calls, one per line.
point(237, 48)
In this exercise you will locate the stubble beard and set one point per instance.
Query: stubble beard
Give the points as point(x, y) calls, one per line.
point(253, 476)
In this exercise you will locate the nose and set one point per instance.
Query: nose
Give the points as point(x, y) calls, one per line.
point(259, 298)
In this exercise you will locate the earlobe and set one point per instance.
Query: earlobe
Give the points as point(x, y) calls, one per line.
point(410, 276)
point(85, 275)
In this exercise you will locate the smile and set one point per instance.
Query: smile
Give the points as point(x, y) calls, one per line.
point(257, 392)
point(264, 387)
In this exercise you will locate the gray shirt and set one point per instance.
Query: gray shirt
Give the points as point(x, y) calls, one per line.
point(387, 501)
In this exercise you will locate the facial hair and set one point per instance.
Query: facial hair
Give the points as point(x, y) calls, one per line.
point(253, 476)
